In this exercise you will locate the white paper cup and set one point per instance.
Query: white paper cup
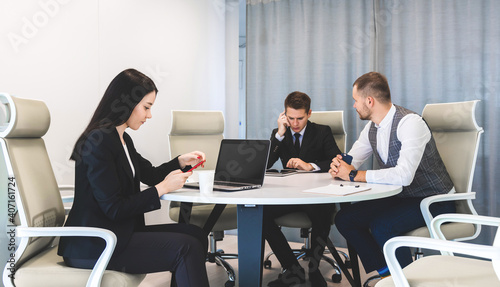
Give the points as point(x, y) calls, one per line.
point(206, 180)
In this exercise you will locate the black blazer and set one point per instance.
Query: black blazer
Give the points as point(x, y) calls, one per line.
point(106, 194)
point(318, 146)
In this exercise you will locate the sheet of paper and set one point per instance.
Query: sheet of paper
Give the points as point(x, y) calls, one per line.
point(337, 189)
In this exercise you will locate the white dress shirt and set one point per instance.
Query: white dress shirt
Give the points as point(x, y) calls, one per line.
point(413, 134)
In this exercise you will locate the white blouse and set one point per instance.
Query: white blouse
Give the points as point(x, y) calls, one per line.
point(129, 160)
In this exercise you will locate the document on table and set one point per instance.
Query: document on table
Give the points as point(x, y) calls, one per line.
point(338, 189)
point(280, 173)
point(285, 172)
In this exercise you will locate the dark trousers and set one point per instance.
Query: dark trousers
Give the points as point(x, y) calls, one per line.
point(180, 248)
point(367, 225)
point(320, 216)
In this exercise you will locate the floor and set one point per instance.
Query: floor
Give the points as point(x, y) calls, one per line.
point(217, 275)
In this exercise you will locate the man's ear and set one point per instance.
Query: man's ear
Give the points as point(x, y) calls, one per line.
point(309, 113)
point(370, 100)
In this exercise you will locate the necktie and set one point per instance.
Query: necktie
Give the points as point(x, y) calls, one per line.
point(297, 142)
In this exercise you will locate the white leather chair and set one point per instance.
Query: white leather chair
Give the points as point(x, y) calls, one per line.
point(36, 210)
point(457, 137)
point(446, 269)
point(299, 219)
point(203, 131)
point(335, 120)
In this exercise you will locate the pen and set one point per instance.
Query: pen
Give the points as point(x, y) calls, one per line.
point(341, 185)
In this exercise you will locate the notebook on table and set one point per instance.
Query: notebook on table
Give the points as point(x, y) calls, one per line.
point(280, 173)
point(241, 165)
point(286, 172)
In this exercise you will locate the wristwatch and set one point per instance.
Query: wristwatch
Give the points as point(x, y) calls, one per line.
point(353, 174)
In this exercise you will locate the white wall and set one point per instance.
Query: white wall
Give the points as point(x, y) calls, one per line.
point(232, 68)
point(65, 53)
point(50, 52)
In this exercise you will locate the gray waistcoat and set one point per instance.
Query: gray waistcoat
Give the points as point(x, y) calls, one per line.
point(431, 176)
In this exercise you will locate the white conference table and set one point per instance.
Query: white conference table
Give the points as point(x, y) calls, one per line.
point(286, 190)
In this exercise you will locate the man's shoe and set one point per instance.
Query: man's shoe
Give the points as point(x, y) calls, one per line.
point(288, 278)
point(316, 279)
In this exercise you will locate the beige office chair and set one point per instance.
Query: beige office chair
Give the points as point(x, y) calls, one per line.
point(457, 137)
point(335, 120)
point(446, 269)
point(203, 131)
point(36, 210)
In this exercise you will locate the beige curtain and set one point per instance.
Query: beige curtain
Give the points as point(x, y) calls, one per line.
point(431, 51)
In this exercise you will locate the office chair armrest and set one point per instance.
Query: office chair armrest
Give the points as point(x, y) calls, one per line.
point(440, 243)
point(436, 223)
point(101, 264)
point(476, 250)
point(426, 203)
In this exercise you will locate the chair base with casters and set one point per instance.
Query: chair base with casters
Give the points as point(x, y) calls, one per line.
point(305, 253)
point(218, 257)
point(371, 279)
point(300, 219)
point(225, 222)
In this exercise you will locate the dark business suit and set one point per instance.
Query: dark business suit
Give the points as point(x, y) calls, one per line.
point(319, 147)
point(108, 196)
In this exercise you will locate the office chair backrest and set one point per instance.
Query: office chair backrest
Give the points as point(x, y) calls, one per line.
point(26, 168)
point(335, 120)
point(457, 136)
point(197, 130)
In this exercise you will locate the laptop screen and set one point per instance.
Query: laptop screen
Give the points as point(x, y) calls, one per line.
point(242, 161)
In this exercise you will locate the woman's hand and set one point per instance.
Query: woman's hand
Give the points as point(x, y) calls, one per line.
point(172, 181)
point(191, 158)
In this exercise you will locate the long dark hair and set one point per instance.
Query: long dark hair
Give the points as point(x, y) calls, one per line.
point(124, 92)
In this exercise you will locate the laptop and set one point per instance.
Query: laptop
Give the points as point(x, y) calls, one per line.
point(241, 165)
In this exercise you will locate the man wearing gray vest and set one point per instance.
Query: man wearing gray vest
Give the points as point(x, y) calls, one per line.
point(407, 155)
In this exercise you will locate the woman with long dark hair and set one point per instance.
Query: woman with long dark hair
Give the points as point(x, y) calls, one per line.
point(108, 172)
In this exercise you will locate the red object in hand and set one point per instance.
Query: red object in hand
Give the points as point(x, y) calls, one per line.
point(197, 165)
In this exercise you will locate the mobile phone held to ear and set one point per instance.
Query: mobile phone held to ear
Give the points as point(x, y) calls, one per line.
point(196, 166)
point(347, 158)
